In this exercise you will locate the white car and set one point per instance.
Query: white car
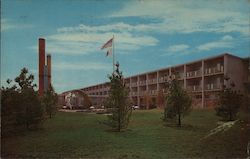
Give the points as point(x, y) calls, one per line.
point(64, 107)
point(135, 107)
point(92, 107)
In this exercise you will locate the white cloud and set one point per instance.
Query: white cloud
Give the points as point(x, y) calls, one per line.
point(7, 24)
point(116, 27)
point(80, 66)
point(178, 48)
point(85, 39)
point(227, 37)
point(225, 42)
point(190, 16)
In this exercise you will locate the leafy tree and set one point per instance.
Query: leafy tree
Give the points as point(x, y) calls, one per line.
point(21, 105)
point(9, 104)
point(31, 112)
point(147, 100)
point(229, 103)
point(178, 103)
point(86, 101)
point(160, 99)
point(246, 98)
point(50, 99)
point(118, 102)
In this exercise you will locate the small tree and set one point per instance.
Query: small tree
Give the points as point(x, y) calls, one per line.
point(246, 98)
point(147, 100)
point(160, 99)
point(50, 99)
point(87, 101)
point(178, 102)
point(31, 112)
point(21, 105)
point(118, 102)
point(10, 101)
point(229, 103)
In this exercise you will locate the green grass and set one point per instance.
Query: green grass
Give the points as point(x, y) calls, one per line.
point(80, 135)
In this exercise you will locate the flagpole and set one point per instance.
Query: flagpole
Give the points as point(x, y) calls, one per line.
point(113, 51)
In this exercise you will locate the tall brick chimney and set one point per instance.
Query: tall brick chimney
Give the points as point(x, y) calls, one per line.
point(49, 69)
point(41, 65)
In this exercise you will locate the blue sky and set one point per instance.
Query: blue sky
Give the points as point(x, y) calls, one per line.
point(148, 35)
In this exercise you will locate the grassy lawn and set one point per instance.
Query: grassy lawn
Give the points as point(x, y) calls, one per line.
point(80, 135)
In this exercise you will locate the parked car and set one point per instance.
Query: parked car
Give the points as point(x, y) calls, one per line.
point(64, 107)
point(92, 107)
point(135, 107)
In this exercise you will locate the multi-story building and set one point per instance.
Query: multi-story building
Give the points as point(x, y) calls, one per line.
point(203, 79)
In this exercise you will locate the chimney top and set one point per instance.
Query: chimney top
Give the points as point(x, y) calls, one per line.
point(41, 39)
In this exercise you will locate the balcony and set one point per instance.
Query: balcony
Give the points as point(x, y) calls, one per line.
point(194, 88)
point(178, 76)
point(142, 83)
point(134, 84)
point(213, 86)
point(192, 74)
point(133, 93)
point(163, 79)
point(164, 90)
point(142, 93)
point(153, 92)
point(214, 70)
point(152, 81)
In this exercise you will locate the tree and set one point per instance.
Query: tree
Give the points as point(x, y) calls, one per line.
point(118, 102)
point(229, 103)
point(87, 101)
point(178, 102)
point(160, 99)
point(147, 100)
point(31, 112)
point(50, 99)
point(21, 105)
point(10, 101)
point(246, 98)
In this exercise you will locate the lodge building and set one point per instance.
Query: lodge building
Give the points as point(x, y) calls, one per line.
point(203, 79)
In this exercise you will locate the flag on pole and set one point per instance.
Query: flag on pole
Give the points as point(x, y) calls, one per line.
point(108, 44)
point(109, 52)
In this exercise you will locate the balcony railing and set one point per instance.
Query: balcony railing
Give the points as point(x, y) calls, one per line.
point(164, 90)
point(163, 79)
point(133, 93)
point(179, 75)
point(196, 73)
point(142, 83)
point(194, 88)
point(134, 84)
point(213, 86)
point(213, 70)
point(127, 84)
point(142, 93)
point(153, 92)
point(152, 81)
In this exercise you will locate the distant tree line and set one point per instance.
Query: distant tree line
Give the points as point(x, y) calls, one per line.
point(21, 106)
